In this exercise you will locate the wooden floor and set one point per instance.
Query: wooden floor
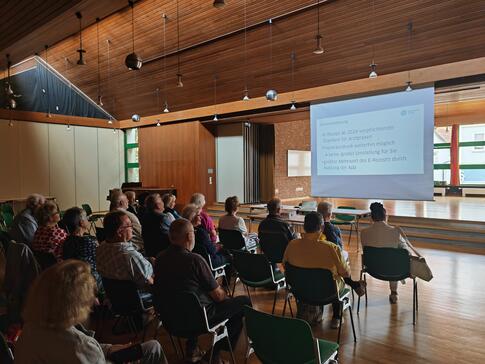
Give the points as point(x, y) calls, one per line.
point(450, 325)
point(449, 208)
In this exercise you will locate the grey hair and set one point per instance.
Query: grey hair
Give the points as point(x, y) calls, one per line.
point(34, 200)
point(197, 199)
point(324, 208)
point(190, 211)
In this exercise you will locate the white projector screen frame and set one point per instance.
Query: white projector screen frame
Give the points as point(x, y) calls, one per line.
point(374, 147)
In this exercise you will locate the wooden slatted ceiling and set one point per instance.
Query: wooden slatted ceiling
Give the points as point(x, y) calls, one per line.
point(445, 31)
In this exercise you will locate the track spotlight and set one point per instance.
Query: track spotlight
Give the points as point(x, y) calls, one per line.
point(409, 88)
point(319, 47)
point(293, 106)
point(373, 71)
point(218, 4)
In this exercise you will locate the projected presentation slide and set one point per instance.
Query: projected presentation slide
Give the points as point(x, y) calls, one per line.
point(347, 146)
point(374, 147)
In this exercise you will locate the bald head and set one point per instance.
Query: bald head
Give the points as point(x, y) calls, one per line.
point(118, 201)
point(181, 233)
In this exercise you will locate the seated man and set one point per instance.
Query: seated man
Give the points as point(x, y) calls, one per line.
point(132, 202)
point(119, 201)
point(312, 252)
point(25, 224)
point(382, 235)
point(117, 257)
point(274, 223)
point(177, 269)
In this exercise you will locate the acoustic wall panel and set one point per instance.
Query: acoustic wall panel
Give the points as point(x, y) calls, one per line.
point(9, 160)
point(34, 157)
point(87, 182)
point(62, 165)
point(108, 162)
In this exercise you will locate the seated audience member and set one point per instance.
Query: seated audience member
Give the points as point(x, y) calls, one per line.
point(49, 238)
point(132, 203)
point(332, 232)
point(141, 204)
point(79, 244)
point(169, 203)
point(198, 199)
point(119, 201)
point(230, 221)
point(274, 223)
point(382, 235)
point(117, 257)
point(312, 252)
point(177, 269)
point(155, 225)
point(25, 224)
point(58, 304)
point(202, 240)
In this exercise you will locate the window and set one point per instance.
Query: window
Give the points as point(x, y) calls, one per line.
point(479, 137)
point(132, 166)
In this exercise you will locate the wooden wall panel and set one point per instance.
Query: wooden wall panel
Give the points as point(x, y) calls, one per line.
point(207, 162)
point(9, 160)
point(168, 157)
point(177, 155)
point(34, 156)
point(86, 149)
point(62, 165)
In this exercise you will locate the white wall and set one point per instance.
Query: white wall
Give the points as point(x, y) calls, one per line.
point(230, 162)
point(76, 166)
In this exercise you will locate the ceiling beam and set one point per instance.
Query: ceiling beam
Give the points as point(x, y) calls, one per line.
point(42, 117)
point(366, 86)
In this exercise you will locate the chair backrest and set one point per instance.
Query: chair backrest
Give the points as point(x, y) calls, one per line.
point(388, 264)
point(100, 234)
point(279, 340)
point(232, 239)
point(252, 268)
point(182, 315)
point(45, 259)
point(343, 217)
point(273, 245)
point(86, 207)
point(123, 295)
point(313, 286)
point(7, 214)
point(6, 355)
point(154, 245)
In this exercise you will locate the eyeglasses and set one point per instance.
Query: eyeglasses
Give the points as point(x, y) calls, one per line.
point(126, 227)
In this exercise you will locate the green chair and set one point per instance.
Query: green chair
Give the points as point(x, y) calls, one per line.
point(282, 340)
point(255, 270)
point(316, 286)
point(92, 218)
point(388, 264)
point(349, 220)
point(7, 215)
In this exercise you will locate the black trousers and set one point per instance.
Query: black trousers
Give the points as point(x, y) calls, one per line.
point(232, 309)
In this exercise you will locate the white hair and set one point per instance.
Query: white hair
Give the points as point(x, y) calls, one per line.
point(198, 199)
point(324, 208)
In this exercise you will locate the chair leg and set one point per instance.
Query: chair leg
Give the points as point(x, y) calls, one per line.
point(352, 322)
point(289, 305)
point(249, 295)
point(234, 287)
point(212, 349)
point(365, 281)
point(350, 234)
point(230, 350)
point(340, 325)
point(417, 296)
point(274, 301)
point(284, 306)
point(414, 301)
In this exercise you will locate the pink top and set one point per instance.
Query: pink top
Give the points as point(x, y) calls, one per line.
point(208, 224)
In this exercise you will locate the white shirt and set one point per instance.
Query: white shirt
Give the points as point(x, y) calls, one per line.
point(382, 235)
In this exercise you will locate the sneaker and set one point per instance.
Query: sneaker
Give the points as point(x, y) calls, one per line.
point(360, 289)
point(336, 322)
point(393, 298)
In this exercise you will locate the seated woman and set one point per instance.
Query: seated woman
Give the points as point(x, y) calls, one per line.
point(231, 221)
point(49, 238)
point(198, 199)
point(57, 305)
point(169, 202)
point(79, 244)
point(155, 225)
point(332, 233)
point(218, 257)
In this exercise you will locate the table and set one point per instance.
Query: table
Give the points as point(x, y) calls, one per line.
point(263, 206)
point(298, 219)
